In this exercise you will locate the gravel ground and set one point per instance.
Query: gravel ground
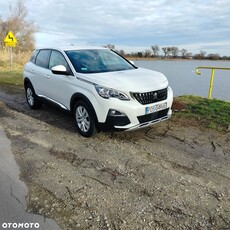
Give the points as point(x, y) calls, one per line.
point(174, 175)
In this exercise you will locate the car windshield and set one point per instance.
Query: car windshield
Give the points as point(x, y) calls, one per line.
point(97, 61)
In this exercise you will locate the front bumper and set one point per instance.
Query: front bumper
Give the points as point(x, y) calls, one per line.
point(121, 123)
point(131, 115)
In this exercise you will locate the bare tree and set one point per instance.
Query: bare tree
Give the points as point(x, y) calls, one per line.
point(169, 51)
point(16, 22)
point(183, 53)
point(155, 50)
point(122, 53)
point(165, 51)
point(147, 53)
point(174, 51)
point(110, 46)
point(200, 55)
point(140, 54)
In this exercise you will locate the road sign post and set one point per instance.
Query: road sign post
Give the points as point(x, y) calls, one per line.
point(10, 41)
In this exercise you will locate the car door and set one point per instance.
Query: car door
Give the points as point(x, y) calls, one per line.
point(39, 71)
point(57, 86)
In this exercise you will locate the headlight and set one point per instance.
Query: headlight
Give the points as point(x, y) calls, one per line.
point(108, 92)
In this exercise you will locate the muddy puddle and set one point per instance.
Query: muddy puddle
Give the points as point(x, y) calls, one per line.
point(13, 193)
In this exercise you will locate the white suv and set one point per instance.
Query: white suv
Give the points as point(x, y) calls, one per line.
point(104, 91)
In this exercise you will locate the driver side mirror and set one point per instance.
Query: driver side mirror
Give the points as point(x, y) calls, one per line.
point(60, 70)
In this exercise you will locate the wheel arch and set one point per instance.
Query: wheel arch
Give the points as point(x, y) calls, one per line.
point(36, 104)
point(79, 96)
point(27, 81)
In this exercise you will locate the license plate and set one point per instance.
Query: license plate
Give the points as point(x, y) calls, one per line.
point(156, 108)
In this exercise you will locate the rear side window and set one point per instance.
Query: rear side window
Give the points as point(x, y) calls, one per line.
point(33, 56)
point(42, 58)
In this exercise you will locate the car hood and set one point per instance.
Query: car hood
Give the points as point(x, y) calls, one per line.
point(136, 80)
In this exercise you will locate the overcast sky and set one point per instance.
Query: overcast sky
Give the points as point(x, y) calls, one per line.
point(132, 25)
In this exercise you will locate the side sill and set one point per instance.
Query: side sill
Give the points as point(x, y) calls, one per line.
point(53, 101)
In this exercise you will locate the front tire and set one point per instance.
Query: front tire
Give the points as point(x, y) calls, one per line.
point(32, 99)
point(84, 119)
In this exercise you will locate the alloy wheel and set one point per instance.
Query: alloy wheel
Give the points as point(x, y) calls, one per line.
point(82, 119)
point(30, 96)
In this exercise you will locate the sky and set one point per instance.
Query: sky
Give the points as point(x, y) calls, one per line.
point(131, 25)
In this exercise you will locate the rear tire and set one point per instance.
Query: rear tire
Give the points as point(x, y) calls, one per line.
point(84, 119)
point(32, 99)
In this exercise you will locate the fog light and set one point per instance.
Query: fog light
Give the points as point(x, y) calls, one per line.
point(117, 118)
point(113, 112)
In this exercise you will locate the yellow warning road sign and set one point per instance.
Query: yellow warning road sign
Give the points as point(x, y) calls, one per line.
point(10, 40)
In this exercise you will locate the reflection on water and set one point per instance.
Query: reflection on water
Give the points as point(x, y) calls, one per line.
point(183, 79)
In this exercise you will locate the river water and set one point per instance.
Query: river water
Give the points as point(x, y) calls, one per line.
point(184, 80)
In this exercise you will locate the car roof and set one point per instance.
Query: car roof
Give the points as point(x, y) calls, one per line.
point(66, 48)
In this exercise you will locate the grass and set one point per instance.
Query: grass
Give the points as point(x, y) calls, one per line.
point(214, 114)
point(18, 59)
point(11, 77)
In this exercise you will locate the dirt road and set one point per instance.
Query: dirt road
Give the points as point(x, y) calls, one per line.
point(171, 176)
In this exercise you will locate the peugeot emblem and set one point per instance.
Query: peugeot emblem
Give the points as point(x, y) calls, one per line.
point(155, 95)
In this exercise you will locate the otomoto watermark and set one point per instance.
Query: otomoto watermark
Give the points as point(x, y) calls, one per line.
point(20, 225)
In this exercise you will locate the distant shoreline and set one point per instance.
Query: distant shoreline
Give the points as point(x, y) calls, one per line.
point(167, 59)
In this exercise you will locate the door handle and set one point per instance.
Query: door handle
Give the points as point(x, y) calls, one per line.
point(47, 76)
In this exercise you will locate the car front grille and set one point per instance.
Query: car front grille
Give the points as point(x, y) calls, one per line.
point(151, 97)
